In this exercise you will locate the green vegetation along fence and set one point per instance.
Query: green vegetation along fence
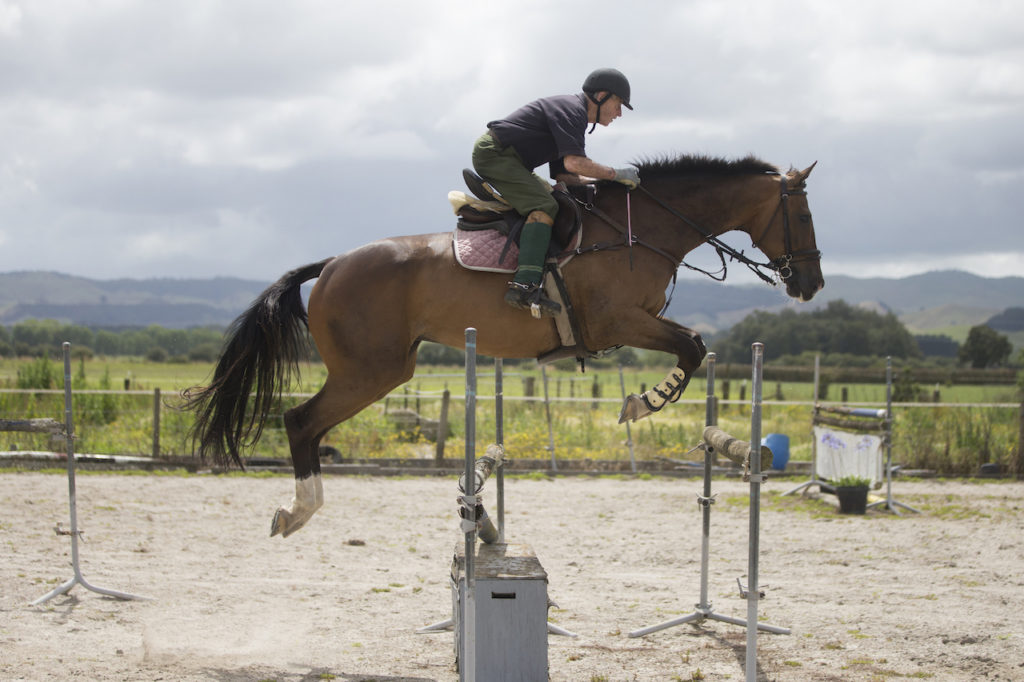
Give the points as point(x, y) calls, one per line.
point(949, 438)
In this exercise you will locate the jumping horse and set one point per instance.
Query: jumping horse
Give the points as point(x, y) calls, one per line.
point(372, 307)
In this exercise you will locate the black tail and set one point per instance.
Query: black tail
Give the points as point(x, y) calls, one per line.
point(263, 347)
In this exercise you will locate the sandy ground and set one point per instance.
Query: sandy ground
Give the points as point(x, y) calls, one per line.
point(933, 596)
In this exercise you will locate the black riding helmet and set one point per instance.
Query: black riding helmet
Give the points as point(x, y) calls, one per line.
point(608, 80)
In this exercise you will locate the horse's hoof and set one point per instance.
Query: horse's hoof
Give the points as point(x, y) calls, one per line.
point(278, 524)
point(284, 523)
point(633, 408)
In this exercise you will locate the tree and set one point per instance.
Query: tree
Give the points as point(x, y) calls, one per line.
point(985, 347)
point(937, 345)
point(836, 328)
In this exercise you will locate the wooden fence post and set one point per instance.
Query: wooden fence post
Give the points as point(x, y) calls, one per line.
point(156, 423)
point(1019, 464)
point(442, 427)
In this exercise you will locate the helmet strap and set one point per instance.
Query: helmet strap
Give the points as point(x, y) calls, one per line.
point(598, 102)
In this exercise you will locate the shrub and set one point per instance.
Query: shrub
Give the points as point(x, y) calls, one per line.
point(40, 373)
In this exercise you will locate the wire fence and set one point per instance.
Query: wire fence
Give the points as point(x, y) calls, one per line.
point(565, 417)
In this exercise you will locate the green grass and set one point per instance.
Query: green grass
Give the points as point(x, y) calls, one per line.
point(950, 440)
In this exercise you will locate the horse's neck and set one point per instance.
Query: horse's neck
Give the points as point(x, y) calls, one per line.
point(697, 207)
point(714, 206)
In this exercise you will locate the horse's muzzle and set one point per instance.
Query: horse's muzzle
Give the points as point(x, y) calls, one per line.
point(805, 282)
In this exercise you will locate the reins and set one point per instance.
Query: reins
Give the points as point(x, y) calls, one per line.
point(781, 266)
point(723, 249)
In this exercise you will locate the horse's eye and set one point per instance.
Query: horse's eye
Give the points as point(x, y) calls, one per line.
point(805, 218)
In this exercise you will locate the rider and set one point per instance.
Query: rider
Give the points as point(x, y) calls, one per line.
point(549, 130)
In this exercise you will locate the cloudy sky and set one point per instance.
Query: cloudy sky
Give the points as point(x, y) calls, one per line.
point(197, 138)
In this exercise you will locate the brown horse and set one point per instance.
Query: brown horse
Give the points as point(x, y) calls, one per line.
point(371, 307)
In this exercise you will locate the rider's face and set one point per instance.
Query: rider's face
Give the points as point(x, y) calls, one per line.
point(610, 110)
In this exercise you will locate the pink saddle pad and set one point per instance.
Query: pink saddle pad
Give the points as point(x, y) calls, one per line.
point(481, 250)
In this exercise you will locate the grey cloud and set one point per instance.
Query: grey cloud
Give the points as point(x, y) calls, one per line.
point(243, 138)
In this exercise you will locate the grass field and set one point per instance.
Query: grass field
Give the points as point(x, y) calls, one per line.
point(584, 414)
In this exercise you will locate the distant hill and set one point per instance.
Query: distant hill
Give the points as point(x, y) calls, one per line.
point(1010, 320)
point(172, 303)
point(948, 302)
point(946, 316)
point(933, 302)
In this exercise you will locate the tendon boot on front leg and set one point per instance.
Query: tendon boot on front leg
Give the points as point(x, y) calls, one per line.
point(309, 496)
point(668, 391)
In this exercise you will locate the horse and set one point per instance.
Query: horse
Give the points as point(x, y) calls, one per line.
point(372, 307)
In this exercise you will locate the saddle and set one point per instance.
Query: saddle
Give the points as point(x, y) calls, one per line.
point(492, 213)
point(487, 238)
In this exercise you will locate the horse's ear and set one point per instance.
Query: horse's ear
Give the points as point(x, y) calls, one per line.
point(801, 176)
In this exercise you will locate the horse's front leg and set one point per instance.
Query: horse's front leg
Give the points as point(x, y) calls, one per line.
point(689, 349)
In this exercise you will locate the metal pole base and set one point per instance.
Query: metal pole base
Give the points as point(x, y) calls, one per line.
point(803, 486)
point(437, 627)
point(79, 580)
point(555, 630)
point(891, 505)
point(702, 614)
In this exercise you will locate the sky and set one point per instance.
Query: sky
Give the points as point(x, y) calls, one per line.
point(205, 138)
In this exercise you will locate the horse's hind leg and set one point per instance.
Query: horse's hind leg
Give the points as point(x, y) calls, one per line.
point(309, 422)
point(309, 490)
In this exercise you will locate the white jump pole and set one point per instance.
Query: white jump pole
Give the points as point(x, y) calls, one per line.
point(69, 439)
point(814, 441)
point(756, 478)
point(890, 502)
point(467, 657)
point(499, 439)
point(751, 592)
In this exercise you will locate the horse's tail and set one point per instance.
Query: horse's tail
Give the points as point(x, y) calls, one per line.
point(263, 347)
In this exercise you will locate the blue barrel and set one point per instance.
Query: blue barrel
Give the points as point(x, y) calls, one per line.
point(779, 445)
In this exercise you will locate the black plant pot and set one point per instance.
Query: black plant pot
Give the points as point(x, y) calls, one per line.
point(852, 499)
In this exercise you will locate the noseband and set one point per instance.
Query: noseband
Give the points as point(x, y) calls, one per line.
point(782, 264)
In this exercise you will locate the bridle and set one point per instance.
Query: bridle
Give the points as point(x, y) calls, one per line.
point(782, 264)
point(781, 267)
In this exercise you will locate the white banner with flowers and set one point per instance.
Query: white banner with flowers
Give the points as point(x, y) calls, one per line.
point(841, 453)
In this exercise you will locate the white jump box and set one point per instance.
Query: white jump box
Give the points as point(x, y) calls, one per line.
point(511, 636)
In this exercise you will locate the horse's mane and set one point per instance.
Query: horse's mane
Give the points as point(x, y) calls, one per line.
point(691, 165)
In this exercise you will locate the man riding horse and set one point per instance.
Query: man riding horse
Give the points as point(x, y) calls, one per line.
point(368, 336)
point(548, 130)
